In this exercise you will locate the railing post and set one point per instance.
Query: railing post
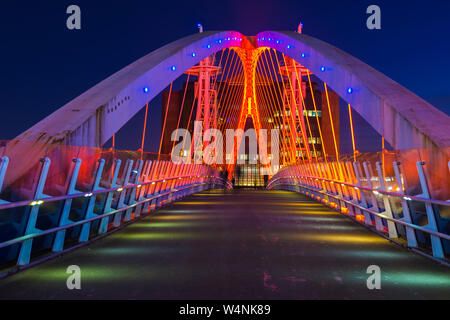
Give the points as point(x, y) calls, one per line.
point(90, 203)
point(387, 205)
point(162, 167)
point(103, 226)
point(354, 194)
point(125, 181)
point(148, 191)
point(25, 249)
point(346, 178)
point(141, 192)
point(357, 169)
point(132, 192)
point(410, 233)
point(150, 187)
point(345, 175)
point(174, 181)
point(3, 166)
point(58, 242)
point(337, 177)
point(436, 243)
point(369, 174)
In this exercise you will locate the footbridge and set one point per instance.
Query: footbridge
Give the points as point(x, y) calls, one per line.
point(288, 207)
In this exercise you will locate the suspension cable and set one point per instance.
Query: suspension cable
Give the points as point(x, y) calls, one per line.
point(353, 133)
point(317, 118)
point(143, 131)
point(307, 116)
point(332, 123)
point(293, 98)
point(268, 52)
point(181, 109)
point(165, 118)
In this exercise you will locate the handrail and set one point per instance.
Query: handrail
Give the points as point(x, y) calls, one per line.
point(22, 203)
point(435, 233)
point(82, 222)
point(362, 201)
point(388, 193)
point(142, 189)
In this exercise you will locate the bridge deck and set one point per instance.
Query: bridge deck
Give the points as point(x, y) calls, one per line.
point(237, 244)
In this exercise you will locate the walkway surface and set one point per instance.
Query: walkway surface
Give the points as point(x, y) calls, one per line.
point(241, 244)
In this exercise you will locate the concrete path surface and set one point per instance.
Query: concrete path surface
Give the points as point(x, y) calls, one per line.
point(240, 244)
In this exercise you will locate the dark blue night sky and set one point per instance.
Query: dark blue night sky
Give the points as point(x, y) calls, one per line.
point(44, 65)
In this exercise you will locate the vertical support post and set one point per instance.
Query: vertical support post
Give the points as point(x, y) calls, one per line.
point(153, 187)
point(410, 233)
point(58, 242)
point(103, 226)
point(387, 205)
point(436, 243)
point(367, 217)
point(89, 206)
point(141, 192)
point(346, 177)
point(125, 181)
point(3, 166)
point(149, 187)
point(369, 174)
point(25, 249)
point(132, 192)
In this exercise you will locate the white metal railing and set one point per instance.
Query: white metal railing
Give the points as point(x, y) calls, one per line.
point(341, 186)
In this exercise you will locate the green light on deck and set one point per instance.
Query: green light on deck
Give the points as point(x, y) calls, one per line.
point(155, 236)
point(162, 225)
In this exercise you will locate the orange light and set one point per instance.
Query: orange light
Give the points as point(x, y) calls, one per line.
point(332, 124)
point(353, 133)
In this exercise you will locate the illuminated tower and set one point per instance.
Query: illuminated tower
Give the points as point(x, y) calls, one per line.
point(293, 129)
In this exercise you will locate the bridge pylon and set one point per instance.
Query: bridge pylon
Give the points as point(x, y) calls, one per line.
point(293, 118)
point(207, 111)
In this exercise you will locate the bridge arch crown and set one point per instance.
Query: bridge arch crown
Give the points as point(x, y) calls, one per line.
point(402, 118)
point(405, 120)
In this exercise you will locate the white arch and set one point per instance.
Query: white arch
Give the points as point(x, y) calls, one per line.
point(93, 117)
point(404, 119)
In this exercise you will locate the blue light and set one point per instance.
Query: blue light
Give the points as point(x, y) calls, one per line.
point(220, 41)
point(278, 41)
point(349, 90)
point(173, 68)
point(208, 46)
point(303, 55)
point(199, 25)
point(145, 89)
point(322, 69)
point(288, 46)
point(193, 54)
